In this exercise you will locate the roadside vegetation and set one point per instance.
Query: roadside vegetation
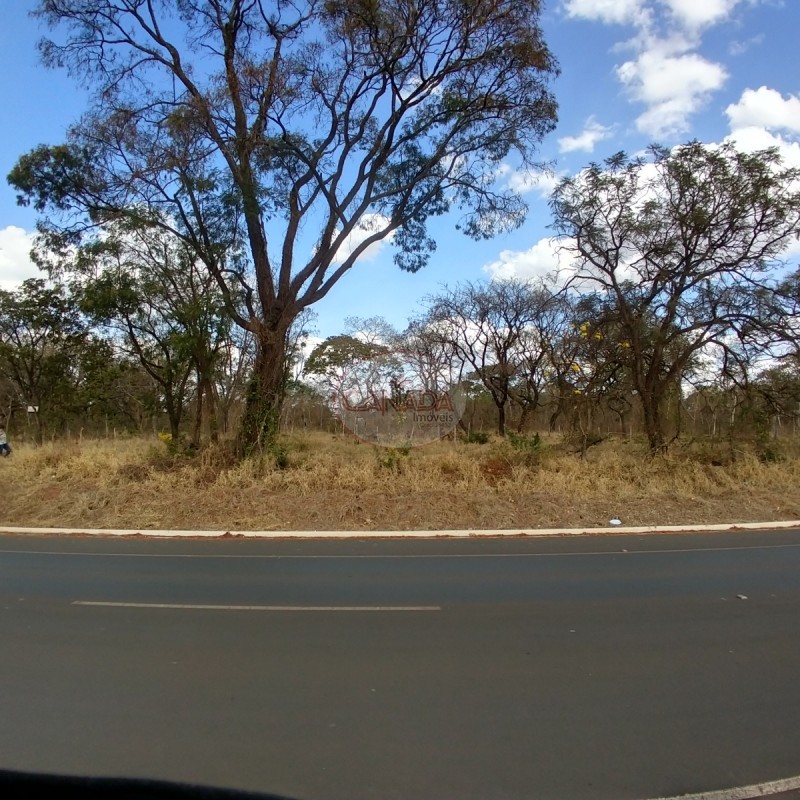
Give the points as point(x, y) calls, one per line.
point(329, 481)
point(160, 373)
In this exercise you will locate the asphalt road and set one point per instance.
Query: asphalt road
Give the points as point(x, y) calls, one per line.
point(588, 667)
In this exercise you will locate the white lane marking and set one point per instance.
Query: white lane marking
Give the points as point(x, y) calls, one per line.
point(206, 607)
point(743, 792)
point(366, 556)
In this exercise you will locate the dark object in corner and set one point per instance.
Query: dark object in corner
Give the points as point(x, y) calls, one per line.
point(25, 785)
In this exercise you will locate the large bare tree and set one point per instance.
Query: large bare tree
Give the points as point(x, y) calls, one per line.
point(281, 139)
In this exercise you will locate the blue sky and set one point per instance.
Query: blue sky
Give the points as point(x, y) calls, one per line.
point(633, 72)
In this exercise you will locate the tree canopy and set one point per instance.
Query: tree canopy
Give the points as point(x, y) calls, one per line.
point(683, 246)
point(279, 140)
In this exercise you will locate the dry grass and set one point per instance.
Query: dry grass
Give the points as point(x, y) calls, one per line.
point(334, 483)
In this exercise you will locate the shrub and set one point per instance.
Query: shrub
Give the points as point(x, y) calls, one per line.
point(280, 455)
point(525, 444)
point(391, 458)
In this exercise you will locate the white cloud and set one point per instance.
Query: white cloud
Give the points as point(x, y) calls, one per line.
point(523, 181)
point(306, 347)
point(766, 108)
point(549, 259)
point(548, 181)
point(592, 133)
point(543, 260)
point(666, 72)
point(754, 138)
point(608, 11)
point(412, 84)
point(15, 262)
point(739, 47)
point(764, 118)
point(673, 86)
point(700, 13)
point(792, 250)
point(367, 226)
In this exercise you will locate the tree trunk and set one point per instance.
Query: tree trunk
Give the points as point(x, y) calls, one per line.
point(501, 419)
point(211, 407)
point(174, 414)
point(174, 426)
point(653, 426)
point(198, 414)
point(205, 420)
point(265, 394)
point(584, 429)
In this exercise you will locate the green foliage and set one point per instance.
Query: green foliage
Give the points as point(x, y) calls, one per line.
point(529, 445)
point(341, 117)
point(771, 453)
point(42, 343)
point(757, 413)
point(682, 247)
point(500, 330)
point(477, 437)
point(280, 455)
point(392, 458)
point(515, 450)
point(339, 352)
point(53, 177)
point(260, 425)
point(525, 450)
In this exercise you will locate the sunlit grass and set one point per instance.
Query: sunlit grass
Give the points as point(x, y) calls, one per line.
point(330, 482)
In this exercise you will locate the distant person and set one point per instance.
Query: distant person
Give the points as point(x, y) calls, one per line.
point(5, 447)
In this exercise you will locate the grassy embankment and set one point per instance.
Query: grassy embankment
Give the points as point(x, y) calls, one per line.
point(334, 483)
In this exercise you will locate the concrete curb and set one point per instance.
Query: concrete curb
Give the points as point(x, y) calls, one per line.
point(421, 534)
point(770, 789)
